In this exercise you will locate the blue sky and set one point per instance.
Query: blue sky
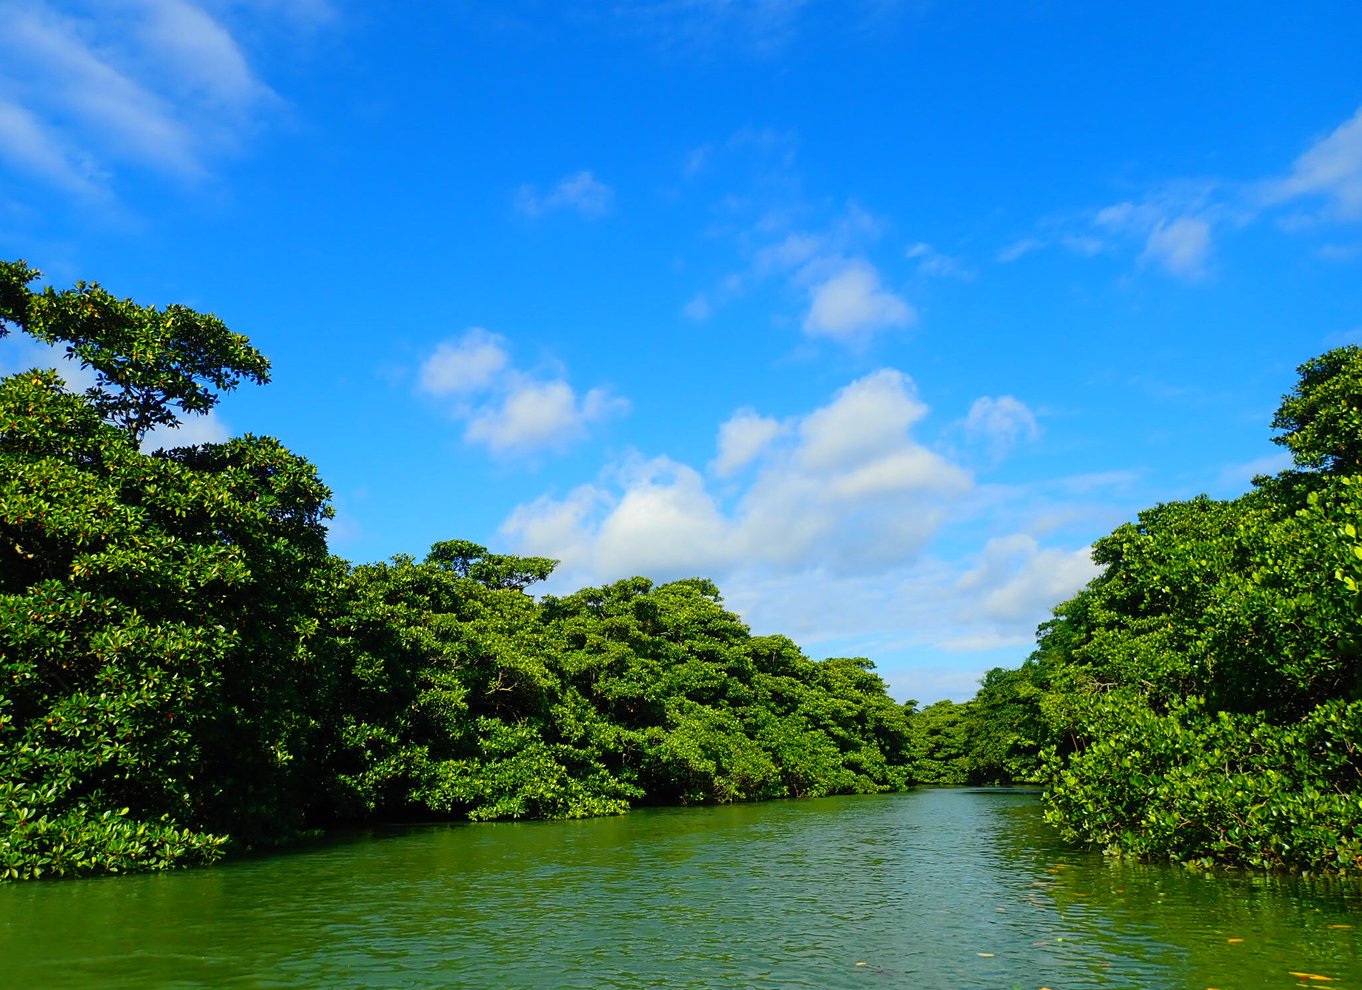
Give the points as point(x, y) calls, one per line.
point(876, 312)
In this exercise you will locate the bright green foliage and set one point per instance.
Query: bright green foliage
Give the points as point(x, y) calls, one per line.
point(451, 703)
point(994, 738)
point(184, 668)
point(942, 743)
point(1322, 419)
point(148, 361)
point(462, 696)
point(706, 712)
point(1204, 788)
point(155, 614)
point(1201, 696)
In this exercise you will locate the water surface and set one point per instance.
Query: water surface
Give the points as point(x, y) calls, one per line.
point(937, 888)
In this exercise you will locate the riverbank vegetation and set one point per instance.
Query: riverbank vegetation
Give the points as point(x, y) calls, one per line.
point(186, 670)
point(1201, 699)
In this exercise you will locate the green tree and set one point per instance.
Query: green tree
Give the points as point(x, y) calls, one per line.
point(157, 685)
point(148, 362)
point(1321, 419)
point(1202, 699)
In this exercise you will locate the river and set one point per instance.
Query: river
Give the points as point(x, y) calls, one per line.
point(935, 888)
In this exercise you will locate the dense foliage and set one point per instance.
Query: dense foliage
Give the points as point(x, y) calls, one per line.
point(185, 669)
point(1201, 699)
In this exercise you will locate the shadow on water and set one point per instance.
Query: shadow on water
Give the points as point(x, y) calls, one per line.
point(936, 888)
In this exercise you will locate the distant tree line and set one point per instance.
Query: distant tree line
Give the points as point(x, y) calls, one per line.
point(186, 670)
point(1201, 699)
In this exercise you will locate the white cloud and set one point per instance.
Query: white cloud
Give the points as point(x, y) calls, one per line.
point(581, 192)
point(843, 488)
point(1180, 246)
point(196, 52)
point(1017, 579)
point(158, 84)
point(791, 252)
point(32, 146)
point(1331, 168)
point(536, 415)
point(19, 353)
point(469, 364)
point(742, 438)
point(868, 417)
point(852, 304)
point(1175, 225)
point(665, 521)
point(826, 263)
point(822, 527)
point(507, 410)
point(1000, 424)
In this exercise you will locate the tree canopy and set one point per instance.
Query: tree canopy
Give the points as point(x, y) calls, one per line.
point(186, 670)
point(1201, 699)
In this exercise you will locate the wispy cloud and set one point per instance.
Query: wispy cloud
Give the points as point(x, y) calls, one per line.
point(1179, 243)
point(820, 257)
point(1173, 228)
point(1330, 169)
point(580, 193)
point(931, 263)
point(162, 85)
point(509, 411)
point(31, 146)
point(763, 26)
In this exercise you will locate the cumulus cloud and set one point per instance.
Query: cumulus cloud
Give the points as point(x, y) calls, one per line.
point(468, 364)
point(826, 266)
point(1331, 168)
point(852, 304)
point(1236, 477)
point(742, 438)
point(1018, 579)
point(157, 84)
point(580, 193)
point(536, 415)
point(19, 353)
point(1000, 424)
point(698, 309)
point(505, 409)
point(822, 526)
point(1174, 226)
point(843, 488)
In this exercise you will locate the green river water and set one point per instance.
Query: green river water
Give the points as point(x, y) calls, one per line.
point(936, 888)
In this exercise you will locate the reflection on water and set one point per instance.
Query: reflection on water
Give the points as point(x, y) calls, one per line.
point(937, 888)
